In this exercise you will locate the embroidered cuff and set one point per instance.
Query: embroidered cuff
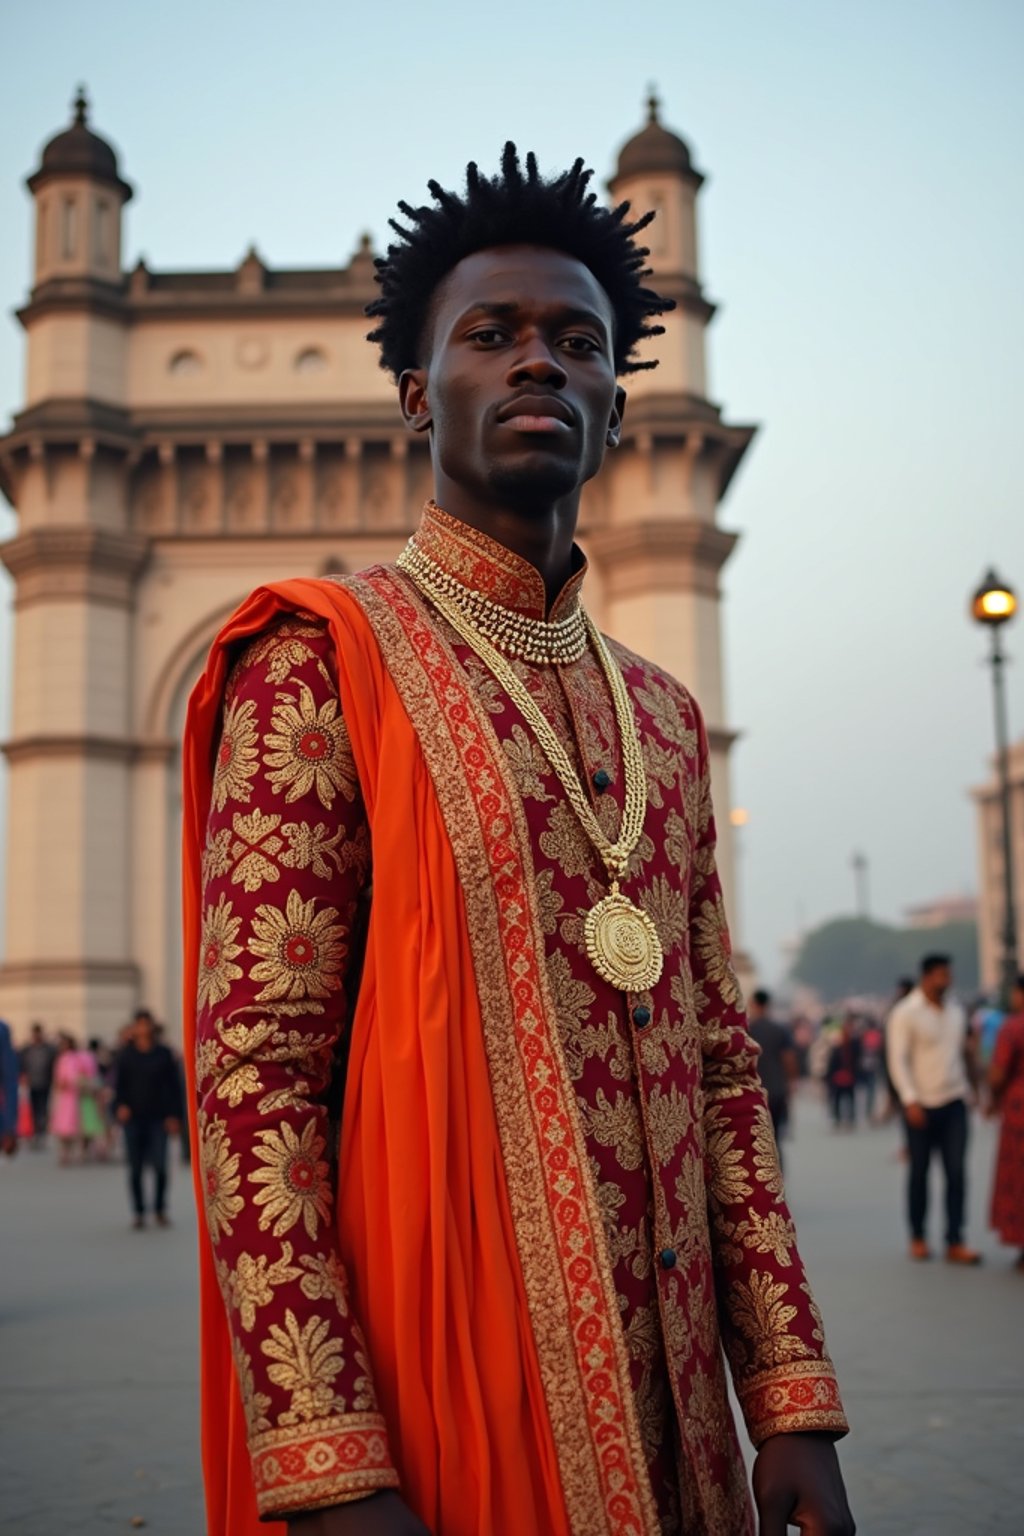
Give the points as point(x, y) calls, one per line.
point(801, 1395)
point(330, 1461)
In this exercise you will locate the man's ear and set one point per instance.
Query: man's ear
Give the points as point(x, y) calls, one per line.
point(614, 431)
point(412, 397)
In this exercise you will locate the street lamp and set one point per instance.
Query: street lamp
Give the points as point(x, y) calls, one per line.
point(994, 604)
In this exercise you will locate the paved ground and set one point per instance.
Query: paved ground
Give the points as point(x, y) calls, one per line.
point(98, 1372)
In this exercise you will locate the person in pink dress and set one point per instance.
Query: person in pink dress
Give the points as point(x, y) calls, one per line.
point(66, 1122)
point(1006, 1080)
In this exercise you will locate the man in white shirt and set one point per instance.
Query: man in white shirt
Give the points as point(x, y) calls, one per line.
point(929, 1063)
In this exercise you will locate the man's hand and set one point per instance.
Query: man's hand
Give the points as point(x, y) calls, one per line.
point(124, 1114)
point(381, 1514)
point(797, 1481)
point(917, 1116)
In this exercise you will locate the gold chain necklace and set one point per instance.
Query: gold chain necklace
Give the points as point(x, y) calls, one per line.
point(549, 643)
point(621, 940)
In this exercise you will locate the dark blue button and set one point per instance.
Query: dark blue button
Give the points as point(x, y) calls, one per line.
point(668, 1258)
point(602, 779)
point(641, 1016)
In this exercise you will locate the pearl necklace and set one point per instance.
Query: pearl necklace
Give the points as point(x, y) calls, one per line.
point(537, 641)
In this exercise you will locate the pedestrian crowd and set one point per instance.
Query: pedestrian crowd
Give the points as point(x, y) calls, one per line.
point(928, 1061)
point(83, 1097)
point(925, 1059)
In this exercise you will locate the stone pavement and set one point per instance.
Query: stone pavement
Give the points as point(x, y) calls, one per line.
point(98, 1421)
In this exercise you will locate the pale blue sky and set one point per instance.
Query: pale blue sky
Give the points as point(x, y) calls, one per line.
point(863, 227)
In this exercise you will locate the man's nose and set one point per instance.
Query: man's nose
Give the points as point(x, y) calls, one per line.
point(538, 364)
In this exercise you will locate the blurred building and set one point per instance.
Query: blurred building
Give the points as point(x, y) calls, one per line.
point(991, 867)
point(188, 435)
point(942, 910)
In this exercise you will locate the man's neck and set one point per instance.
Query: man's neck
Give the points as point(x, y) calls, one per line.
point(543, 535)
point(935, 998)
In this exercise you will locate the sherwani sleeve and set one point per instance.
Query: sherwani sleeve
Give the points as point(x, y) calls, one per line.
point(285, 875)
point(771, 1327)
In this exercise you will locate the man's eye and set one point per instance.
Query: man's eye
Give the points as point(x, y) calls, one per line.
point(488, 334)
point(580, 344)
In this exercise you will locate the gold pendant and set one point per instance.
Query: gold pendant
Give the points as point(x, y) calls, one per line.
point(623, 944)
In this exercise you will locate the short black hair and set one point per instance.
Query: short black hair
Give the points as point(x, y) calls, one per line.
point(934, 962)
point(761, 997)
point(516, 207)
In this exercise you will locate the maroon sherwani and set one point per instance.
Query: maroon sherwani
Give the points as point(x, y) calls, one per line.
point(699, 1240)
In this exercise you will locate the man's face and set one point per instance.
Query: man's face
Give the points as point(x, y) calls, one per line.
point(519, 389)
point(939, 981)
point(143, 1033)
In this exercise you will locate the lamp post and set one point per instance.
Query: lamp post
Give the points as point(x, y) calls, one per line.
point(994, 604)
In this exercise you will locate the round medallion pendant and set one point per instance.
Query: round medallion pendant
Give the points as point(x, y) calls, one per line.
point(623, 944)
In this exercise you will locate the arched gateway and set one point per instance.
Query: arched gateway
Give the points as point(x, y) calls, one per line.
point(188, 435)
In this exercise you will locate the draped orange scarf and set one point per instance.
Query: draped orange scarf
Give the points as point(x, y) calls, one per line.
point(424, 1222)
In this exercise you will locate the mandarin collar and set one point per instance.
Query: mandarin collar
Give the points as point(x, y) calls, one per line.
point(485, 566)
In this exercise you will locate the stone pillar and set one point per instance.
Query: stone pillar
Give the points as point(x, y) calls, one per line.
point(69, 959)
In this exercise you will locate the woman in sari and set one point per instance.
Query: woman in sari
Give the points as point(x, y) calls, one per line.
point(1006, 1080)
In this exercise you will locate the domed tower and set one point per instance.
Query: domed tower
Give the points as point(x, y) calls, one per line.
point(79, 194)
point(75, 563)
point(652, 526)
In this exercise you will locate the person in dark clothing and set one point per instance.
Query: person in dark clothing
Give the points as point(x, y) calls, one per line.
point(843, 1074)
point(778, 1063)
point(36, 1061)
point(148, 1103)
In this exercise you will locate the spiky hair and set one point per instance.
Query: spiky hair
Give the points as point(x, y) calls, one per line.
point(516, 207)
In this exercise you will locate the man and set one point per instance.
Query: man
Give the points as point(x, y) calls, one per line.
point(929, 1063)
point(37, 1062)
point(147, 1102)
point(777, 1064)
point(8, 1092)
point(490, 1309)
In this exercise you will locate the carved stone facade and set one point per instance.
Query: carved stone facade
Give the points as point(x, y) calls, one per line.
point(188, 435)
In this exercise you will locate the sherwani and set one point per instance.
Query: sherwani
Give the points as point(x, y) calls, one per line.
point(695, 1235)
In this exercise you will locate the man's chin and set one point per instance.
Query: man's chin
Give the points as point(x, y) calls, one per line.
point(539, 480)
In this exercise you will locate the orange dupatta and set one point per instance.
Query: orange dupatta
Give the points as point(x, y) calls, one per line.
point(424, 1222)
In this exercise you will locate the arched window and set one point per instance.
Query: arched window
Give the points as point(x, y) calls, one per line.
point(102, 253)
point(311, 360)
point(185, 364)
point(68, 227)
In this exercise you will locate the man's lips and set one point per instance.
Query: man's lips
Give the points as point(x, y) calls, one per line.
point(537, 413)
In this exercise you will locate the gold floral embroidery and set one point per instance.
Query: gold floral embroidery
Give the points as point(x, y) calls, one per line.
point(301, 949)
point(727, 1175)
point(772, 1233)
point(311, 848)
point(309, 748)
point(248, 1283)
point(667, 716)
point(220, 1178)
point(237, 754)
point(528, 764)
point(217, 951)
point(216, 860)
point(324, 1280)
point(565, 843)
point(237, 1081)
point(254, 850)
point(759, 1310)
point(307, 1360)
point(665, 906)
point(617, 1126)
point(711, 932)
point(766, 1155)
point(294, 1179)
point(669, 1118)
point(255, 1404)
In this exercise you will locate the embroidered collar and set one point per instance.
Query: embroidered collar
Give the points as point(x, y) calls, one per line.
point(486, 566)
